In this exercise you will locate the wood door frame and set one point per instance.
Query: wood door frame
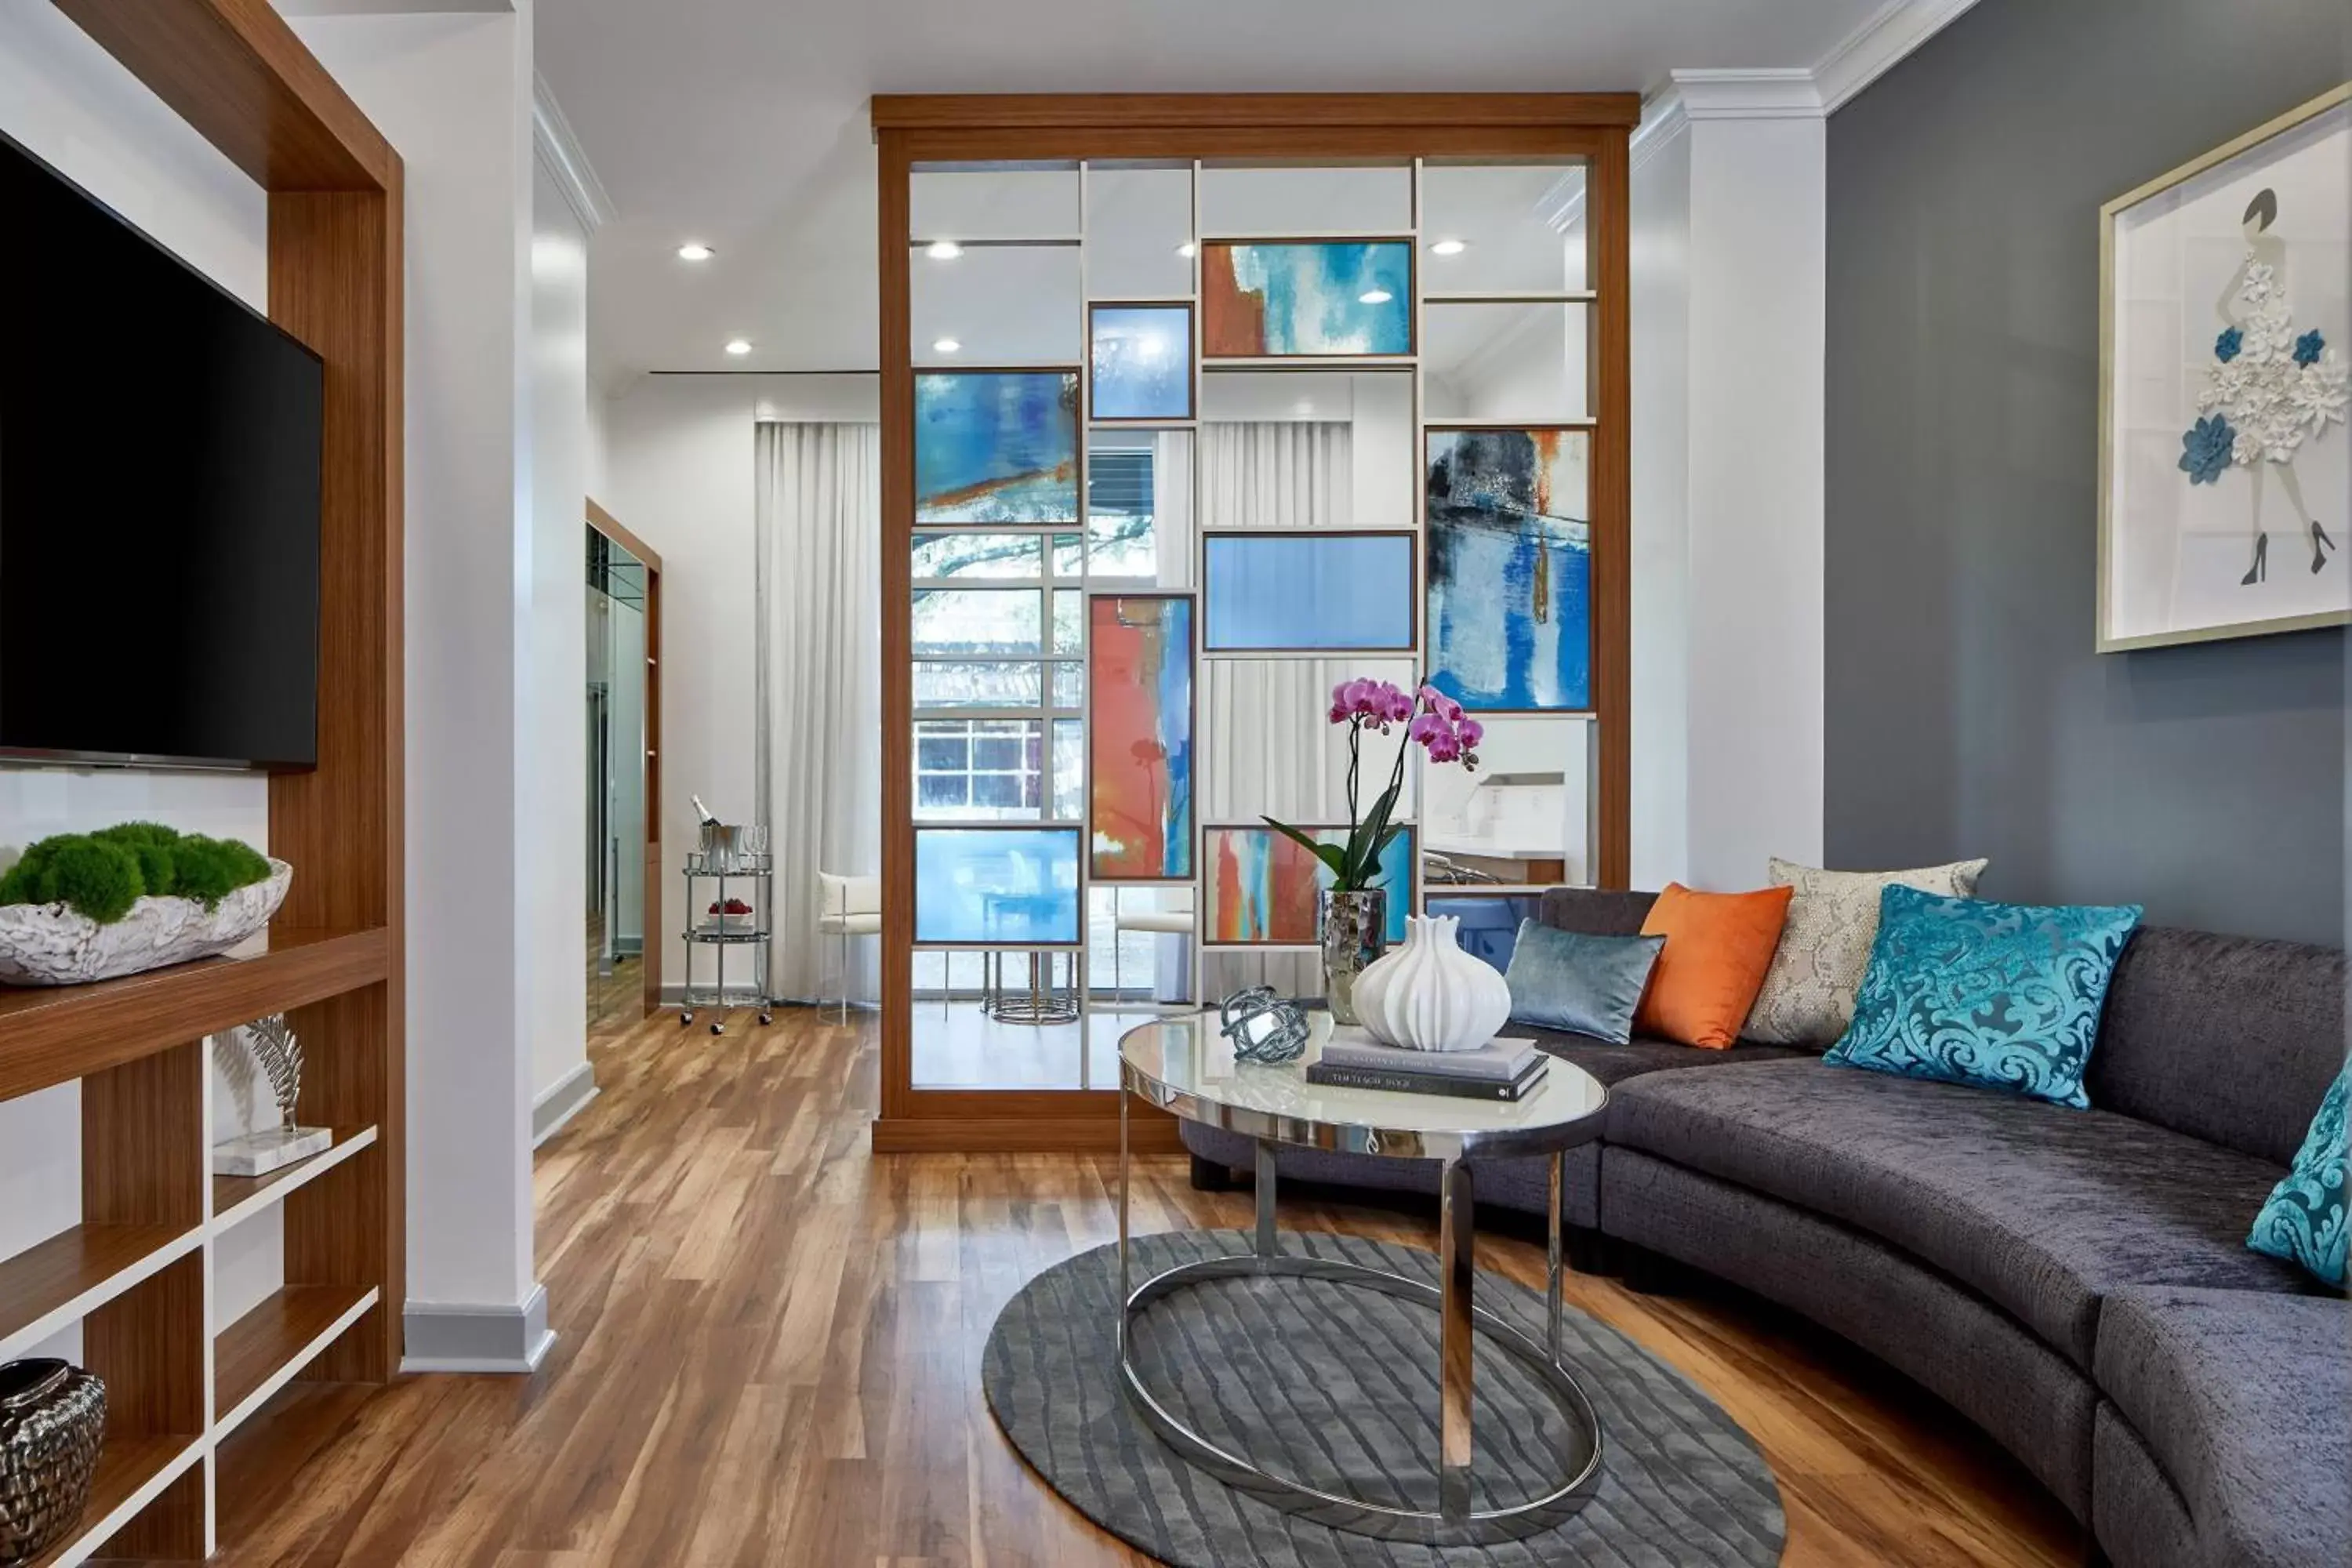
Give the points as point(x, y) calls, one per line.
point(611, 526)
point(911, 129)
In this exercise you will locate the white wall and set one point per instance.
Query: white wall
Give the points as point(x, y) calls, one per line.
point(1758, 258)
point(67, 102)
point(560, 457)
point(1660, 246)
point(452, 92)
point(679, 473)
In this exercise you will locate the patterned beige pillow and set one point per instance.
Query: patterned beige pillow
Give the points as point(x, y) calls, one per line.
point(1808, 996)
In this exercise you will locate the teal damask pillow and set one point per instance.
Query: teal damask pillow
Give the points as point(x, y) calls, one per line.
point(2004, 996)
point(2303, 1220)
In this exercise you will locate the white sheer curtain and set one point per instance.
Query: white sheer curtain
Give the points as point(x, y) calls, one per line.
point(818, 538)
point(1276, 473)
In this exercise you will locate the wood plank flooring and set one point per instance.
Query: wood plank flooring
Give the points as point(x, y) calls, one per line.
point(770, 1340)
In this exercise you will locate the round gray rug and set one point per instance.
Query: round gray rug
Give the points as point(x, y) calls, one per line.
point(1337, 1385)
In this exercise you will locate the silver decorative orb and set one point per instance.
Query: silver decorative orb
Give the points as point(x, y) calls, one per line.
point(1262, 1027)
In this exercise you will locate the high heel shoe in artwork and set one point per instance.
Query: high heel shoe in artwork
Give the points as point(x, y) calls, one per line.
point(2260, 570)
point(2320, 545)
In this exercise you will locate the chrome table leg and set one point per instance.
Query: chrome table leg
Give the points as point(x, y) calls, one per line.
point(1551, 1296)
point(1457, 1264)
point(1267, 1246)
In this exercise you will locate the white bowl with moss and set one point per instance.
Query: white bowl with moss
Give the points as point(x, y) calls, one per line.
point(58, 941)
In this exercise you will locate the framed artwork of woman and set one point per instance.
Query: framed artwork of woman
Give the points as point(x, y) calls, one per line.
point(2225, 475)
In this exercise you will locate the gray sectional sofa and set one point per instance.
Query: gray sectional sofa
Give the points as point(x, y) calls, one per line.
point(2076, 1282)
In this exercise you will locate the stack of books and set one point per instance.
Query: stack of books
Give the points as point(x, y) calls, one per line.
point(1502, 1068)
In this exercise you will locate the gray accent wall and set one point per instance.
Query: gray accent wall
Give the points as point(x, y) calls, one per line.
point(1966, 712)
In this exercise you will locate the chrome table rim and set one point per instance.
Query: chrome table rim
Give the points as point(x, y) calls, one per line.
point(1352, 1515)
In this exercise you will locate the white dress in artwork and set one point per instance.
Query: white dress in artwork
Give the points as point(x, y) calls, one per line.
point(2270, 390)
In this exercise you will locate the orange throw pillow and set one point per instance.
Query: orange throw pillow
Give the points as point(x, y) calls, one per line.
point(1718, 947)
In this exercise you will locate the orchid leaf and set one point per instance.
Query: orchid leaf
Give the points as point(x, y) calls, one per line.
point(1330, 854)
point(1364, 862)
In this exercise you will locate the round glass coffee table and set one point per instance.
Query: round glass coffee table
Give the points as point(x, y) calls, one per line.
point(1183, 1065)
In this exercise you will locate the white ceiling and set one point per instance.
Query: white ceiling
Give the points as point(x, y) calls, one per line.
point(742, 123)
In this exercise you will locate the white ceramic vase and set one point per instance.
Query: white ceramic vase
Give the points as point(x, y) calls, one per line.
point(1429, 994)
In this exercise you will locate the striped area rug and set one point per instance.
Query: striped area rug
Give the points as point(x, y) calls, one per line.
point(1337, 1385)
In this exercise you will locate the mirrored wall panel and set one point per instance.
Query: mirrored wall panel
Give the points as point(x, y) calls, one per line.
point(1505, 360)
point(989, 886)
point(1246, 201)
point(1139, 736)
point(979, 770)
point(997, 305)
point(1296, 976)
point(1138, 230)
point(997, 447)
point(1510, 569)
point(1262, 886)
point(1523, 818)
point(1308, 591)
point(972, 202)
point(1307, 449)
point(1503, 227)
point(1140, 509)
point(1139, 941)
point(1278, 754)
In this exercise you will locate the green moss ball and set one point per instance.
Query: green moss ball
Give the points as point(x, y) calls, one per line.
point(91, 877)
point(209, 870)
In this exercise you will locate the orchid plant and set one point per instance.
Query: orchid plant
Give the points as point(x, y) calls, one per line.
point(1430, 721)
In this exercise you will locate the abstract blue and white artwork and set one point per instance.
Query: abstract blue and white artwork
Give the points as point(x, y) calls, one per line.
point(1510, 570)
point(997, 446)
point(1309, 590)
point(1321, 297)
point(990, 885)
point(1142, 361)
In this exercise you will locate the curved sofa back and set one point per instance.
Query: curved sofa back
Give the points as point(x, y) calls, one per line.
point(2232, 1039)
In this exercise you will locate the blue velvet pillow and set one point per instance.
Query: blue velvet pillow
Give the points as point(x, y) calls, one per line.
point(1585, 985)
point(2303, 1220)
point(2004, 996)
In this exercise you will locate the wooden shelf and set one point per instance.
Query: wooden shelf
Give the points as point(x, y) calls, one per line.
point(53, 1034)
point(48, 1287)
point(238, 1198)
point(256, 1356)
point(132, 1471)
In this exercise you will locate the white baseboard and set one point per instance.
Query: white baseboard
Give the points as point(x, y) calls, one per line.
point(448, 1336)
point(563, 1099)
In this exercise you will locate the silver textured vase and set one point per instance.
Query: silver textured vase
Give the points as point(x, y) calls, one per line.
point(1355, 928)
point(1429, 994)
point(52, 1424)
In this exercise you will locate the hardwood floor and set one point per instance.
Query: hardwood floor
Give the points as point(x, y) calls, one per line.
point(769, 1348)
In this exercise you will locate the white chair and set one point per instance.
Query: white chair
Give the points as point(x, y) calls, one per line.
point(1161, 922)
point(847, 907)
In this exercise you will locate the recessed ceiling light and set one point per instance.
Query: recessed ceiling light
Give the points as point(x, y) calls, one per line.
point(694, 250)
point(945, 346)
point(1375, 296)
point(739, 346)
point(944, 250)
point(1448, 248)
point(1187, 248)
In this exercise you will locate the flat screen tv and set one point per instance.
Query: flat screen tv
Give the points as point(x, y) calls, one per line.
point(160, 457)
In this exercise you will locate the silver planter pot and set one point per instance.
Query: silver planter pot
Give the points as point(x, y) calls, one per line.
point(52, 1424)
point(1355, 928)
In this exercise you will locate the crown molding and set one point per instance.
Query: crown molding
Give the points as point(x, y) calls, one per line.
point(1779, 93)
point(1873, 50)
point(559, 152)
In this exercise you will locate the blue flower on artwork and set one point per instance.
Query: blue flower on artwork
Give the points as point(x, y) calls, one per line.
point(2226, 346)
point(2307, 348)
point(2205, 449)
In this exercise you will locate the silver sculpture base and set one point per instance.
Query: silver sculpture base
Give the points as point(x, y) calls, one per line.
point(259, 1153)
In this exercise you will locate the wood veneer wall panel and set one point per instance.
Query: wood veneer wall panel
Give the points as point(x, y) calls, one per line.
point(1613, 508)
point(235, 71)
point(142, 1141)
point(148, 1345)
point(897, 634)
point(335, 282)
point(1272, 117)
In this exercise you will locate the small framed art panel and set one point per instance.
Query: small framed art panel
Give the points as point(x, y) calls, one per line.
point(996, 446)
point(2225, 469)
point(1141, 357)
point(1308, 591)
point(1510, 568)
point(1139, 736)
point(996, 887)
point(1262, 888)
point(1305, 298)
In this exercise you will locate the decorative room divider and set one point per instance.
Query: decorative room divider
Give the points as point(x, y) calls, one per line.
point(1192, 408)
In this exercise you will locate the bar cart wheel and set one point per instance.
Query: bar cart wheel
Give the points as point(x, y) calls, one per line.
point(717, 1028)
point(685, 1017)
point(766, 1016)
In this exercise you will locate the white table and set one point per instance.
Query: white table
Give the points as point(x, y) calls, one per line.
point(1184, 1065)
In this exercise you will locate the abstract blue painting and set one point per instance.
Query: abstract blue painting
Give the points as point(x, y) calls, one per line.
point(1309, 590)
point(998, 445)
point(989, 885)
point(1142, 358)
point(1510, 570)
point(1324, 297)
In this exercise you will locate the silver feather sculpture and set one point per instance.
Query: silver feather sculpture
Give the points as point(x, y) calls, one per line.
point(274, 1045)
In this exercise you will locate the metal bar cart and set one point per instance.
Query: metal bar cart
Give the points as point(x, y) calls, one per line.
point(740, 855)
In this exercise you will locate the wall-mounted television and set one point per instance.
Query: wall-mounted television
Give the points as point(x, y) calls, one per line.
point(160, 472)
